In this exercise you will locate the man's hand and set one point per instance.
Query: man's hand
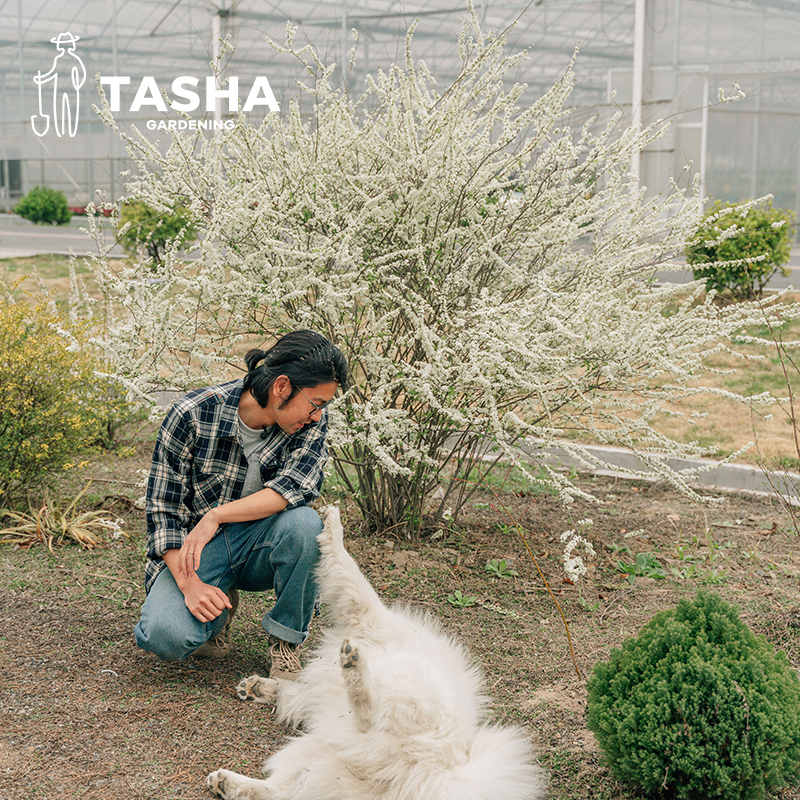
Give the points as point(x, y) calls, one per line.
point(193, 544)
point(258, 505)
point(206, 602)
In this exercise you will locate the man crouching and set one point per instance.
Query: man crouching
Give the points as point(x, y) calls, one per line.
point(234, 469)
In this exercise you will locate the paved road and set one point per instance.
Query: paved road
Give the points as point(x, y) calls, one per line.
point(18, 238)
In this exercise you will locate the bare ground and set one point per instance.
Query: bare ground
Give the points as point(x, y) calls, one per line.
point(86, 715)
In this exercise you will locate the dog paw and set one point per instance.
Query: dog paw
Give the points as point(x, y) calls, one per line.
point(332, 533)
point(233, 786)
point(217, 783)
point(348, 655)
point(259, 690)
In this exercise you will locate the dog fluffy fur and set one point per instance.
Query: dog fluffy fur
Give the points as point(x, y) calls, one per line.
point(391, 708)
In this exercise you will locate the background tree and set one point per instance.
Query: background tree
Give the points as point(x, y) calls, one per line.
point(144, 228)
point(486, 268)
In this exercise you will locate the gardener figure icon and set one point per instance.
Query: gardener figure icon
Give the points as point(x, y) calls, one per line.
point(65, 106)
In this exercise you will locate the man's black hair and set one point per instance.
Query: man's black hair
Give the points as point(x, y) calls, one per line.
point(306, 358)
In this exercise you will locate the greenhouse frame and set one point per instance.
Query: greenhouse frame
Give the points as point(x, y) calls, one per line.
point(725, 73)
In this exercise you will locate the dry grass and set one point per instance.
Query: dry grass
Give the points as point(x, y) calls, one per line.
point(729, 425)
point(87, 715)
point(31, 274)
point(53, 523)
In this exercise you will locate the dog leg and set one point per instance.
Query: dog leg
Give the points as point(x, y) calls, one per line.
point(263, 691)
point(356, 680)
point(349, 595)
point(232, 786)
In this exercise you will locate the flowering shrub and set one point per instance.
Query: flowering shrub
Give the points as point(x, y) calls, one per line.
point(486, 269)
point(51, 402)
point(738, 248)
point(698, 707)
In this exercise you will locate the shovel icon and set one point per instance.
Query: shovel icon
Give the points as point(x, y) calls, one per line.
point(65, 117)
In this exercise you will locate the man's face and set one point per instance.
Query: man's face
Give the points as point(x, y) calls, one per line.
point(305, 407)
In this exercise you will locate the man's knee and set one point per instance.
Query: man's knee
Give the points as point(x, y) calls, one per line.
point(306, 519)
point(302, 526)
point(166, 628)
point(167, 641)
point(161, 640)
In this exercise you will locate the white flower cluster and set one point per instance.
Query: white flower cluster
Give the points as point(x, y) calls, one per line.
point(735, 94)
point(574, 565)
point(113, 526)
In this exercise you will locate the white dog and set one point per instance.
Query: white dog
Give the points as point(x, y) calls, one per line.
point(391, 708)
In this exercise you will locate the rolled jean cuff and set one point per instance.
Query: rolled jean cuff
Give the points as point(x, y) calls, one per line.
point(281, 632)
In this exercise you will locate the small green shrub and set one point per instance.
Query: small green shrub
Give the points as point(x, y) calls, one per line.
point(151, 230)
point(44, 206)
point(697, 706)
point(52, 405)
point(728, 236)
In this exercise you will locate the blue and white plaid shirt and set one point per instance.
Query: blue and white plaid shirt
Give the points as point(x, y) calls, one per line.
point(198, 464)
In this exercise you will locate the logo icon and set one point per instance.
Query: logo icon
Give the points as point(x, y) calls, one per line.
point(66, 97)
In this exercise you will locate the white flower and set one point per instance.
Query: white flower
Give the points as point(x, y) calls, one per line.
point(574, 565)
point(113, 525)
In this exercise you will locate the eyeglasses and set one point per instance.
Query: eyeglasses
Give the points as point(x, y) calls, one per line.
point(317, 407)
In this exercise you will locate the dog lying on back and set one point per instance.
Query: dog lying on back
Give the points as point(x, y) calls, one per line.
point(391, 708)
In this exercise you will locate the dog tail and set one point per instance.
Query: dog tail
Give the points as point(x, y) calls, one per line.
point(348, 594)
point(500, 765)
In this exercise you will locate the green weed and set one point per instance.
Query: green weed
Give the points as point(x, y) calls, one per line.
point(460, 600)
point(498, 568)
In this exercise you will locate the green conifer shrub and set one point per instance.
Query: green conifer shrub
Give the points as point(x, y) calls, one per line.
point(698, 706)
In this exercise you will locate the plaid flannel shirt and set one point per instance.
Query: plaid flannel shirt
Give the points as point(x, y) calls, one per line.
point(198, 464)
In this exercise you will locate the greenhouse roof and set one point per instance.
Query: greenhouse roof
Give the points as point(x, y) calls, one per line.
point(153, 37)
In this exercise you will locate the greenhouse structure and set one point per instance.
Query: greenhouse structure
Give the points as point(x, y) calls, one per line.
point(725, 73)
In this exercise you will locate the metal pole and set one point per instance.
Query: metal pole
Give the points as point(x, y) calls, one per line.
point(344, 45)
point(23, 137)
point(113, 139)
point(216, 43)
point(637, 99)
point(703, 145)
point(754, 155)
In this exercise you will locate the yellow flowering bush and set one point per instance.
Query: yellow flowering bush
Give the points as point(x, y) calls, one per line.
point(51, 401)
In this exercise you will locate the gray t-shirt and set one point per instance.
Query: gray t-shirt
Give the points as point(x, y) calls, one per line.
point(253, 445)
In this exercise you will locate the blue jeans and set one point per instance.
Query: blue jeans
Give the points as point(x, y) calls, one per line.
point(278, 553)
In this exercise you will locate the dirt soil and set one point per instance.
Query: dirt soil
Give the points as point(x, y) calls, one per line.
point(85, 714)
